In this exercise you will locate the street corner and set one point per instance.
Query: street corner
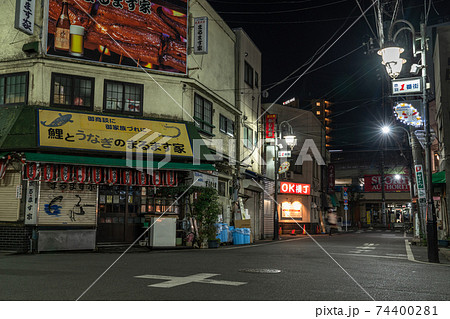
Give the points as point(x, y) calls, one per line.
point(444, 255)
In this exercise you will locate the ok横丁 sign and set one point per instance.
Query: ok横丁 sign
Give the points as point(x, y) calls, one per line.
point(295, 188)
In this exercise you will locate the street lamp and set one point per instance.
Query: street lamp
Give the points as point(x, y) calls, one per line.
point(291, 141)
point(390, 54)
point(386, 130)
point(433, 252)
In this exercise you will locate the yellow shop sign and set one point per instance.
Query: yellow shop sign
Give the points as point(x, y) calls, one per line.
point(111, 133)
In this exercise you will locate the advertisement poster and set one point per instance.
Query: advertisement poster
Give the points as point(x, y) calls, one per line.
point(111, 133)
point(372, 183)
point(144, 33)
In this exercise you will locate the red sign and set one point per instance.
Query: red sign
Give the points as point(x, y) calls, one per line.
point(295, 188)
point(271, 119)
point(331, 178)
point(372, 183)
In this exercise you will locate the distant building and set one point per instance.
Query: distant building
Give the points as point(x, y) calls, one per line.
point(302, 188)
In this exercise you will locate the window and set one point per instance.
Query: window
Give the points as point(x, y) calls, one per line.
point(248, 74)
point(222, 188)
point(226, 125)
point(203, 114)
point(123, 97)
point(73, 91)
point(248, 137)
point(256, 79)
point(14, 88)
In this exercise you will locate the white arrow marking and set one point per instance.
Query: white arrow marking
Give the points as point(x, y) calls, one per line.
point(173, 281)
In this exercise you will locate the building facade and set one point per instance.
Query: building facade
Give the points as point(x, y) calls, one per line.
point(301, 191)
point(109, 112)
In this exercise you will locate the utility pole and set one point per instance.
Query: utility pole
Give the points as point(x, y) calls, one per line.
point(275, 196)
point(433, 252)
point(383, 193)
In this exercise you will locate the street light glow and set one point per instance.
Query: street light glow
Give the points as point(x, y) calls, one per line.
point(385, 129)
point(397, 177)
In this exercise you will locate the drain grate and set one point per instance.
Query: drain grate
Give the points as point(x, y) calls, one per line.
point(260, 271)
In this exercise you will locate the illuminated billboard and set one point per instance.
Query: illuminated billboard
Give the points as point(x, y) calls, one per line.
point(137, 33)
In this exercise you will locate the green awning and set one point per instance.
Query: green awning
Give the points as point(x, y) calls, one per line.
point(439, 178)
point(3, 154)
point(111, 162)
point(334, 200)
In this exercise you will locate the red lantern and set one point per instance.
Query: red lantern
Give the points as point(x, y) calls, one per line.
point(112, 176)
point(157, 178)
point(97, 175)
point(65, 173)
point(32, 171)
point(171, 178)
point(141, 178)
point(127, 177)
point(49, 173)
point(2, 169)
point(81, 174)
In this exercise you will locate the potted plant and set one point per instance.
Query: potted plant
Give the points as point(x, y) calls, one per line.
point(206, 211)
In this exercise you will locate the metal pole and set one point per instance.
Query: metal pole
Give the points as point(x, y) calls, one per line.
point(433, 252)
point(275, 212)
point(383, 194)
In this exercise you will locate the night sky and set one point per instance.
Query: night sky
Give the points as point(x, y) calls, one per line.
point(290, 33)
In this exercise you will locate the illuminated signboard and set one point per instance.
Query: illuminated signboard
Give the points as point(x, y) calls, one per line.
point(410, 85)
point(143, 33)
point(408, 114)
point(292, 210)
point(271, 120)
point(289, 101)
point(295, 188)
point(372, 183)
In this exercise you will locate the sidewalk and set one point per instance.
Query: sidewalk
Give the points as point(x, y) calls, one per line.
point(421, 254)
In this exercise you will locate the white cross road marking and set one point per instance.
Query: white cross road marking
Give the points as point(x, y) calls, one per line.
point(365, 248)
point(173, 281)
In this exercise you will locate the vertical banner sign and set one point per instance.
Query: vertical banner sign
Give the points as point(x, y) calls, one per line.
point(420, 183)
point(31, 203)
point(201, 35)
point(270, 125)
point(25, 16)
point(331, 178)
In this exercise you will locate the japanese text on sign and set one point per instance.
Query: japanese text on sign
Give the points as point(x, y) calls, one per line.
point(271, 119)
point(25, 16)
point(406, 86)
point(108, 133)
point(295, 188)
point(201, 35)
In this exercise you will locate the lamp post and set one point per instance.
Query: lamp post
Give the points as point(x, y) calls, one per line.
point(291, 141)
point(387, 130)
point(391, 59)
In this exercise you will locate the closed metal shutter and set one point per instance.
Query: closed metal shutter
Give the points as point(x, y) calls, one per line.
point(9, 203)
point(61, 205)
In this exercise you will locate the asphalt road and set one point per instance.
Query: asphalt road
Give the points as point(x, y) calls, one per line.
point(349, 267)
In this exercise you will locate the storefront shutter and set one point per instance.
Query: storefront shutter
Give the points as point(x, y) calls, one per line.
point(61, 205)
point(10, 204)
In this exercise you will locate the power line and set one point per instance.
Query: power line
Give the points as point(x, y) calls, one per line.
point(282, 11)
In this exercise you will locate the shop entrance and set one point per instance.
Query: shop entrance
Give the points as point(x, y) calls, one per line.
point(119, 219)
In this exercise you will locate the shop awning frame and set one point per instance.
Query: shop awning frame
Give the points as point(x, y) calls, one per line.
point(111, 162)
point(334, 200)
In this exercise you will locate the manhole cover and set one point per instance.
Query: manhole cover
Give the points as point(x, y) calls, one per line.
point(261, 271)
